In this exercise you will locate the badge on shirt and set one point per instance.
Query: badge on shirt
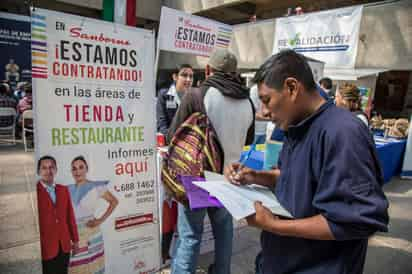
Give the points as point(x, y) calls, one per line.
point(171, 104)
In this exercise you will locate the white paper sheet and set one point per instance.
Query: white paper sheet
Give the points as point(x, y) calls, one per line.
point(213, 176)
point(239, 200)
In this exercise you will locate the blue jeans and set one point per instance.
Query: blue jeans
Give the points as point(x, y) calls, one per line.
point(190, 229)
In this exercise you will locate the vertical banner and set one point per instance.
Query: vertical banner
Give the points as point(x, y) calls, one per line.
point(95, 144)
point(407, 160)
point(329, 36)
point(15, 57)
point(186, 33)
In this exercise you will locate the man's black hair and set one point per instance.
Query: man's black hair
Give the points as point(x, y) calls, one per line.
point(44, 158)
point(326, 82)
point(274, 71)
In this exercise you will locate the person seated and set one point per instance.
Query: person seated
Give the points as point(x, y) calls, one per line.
point(6, 101)
point(348, 96)
point(26, 103)
point(12, 71)
point(19, 92)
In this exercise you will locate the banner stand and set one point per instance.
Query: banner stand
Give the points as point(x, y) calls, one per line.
point(407, 160)
point(94, 116)
point(156, 66)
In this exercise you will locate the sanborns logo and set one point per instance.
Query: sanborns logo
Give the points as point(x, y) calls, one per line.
point(76, 32)
point(189, 24)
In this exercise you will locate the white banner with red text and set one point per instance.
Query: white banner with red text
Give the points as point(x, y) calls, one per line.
point(186, 33)
point(95, 115)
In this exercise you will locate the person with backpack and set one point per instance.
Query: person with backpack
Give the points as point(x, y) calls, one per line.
point(223, 111)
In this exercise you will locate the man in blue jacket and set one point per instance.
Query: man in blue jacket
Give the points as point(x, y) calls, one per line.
point(328, 177)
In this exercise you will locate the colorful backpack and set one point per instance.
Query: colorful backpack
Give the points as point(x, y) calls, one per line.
point(193, 149)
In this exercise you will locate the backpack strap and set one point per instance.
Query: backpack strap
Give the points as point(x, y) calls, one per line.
point(191, 102)
point(198, 96)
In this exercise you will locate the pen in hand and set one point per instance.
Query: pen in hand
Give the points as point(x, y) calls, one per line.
point(244, 160)
point(235, 176)
point(242, 164)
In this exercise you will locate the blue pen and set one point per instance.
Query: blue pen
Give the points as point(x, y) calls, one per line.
point(249, 153)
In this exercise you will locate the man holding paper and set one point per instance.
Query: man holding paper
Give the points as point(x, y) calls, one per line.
point(328, 177)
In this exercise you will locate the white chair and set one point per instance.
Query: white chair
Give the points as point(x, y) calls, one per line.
point(8, 131)
point(27, 115)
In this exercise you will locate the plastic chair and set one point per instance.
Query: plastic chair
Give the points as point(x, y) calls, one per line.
point(8, 131)
point(27, 115)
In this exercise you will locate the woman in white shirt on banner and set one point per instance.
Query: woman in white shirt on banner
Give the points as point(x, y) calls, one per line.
point(86, 195)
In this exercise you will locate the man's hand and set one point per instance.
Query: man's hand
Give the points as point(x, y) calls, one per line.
point(94, 222)
point(239, 175)
point(263, 218)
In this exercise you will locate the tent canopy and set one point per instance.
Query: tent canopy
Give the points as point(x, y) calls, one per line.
point(351, 74)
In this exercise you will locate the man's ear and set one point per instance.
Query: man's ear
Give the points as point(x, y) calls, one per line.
point(292, 87)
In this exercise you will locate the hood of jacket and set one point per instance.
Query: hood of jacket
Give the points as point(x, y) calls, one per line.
point(229, 84)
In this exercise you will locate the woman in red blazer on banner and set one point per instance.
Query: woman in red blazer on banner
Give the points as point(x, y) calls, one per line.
point(58, 229)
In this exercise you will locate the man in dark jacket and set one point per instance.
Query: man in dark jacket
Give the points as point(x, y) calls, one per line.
point(225, 101)
point(328, 177)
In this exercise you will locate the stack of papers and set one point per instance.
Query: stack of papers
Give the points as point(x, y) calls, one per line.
point(198, 197)
point(239, 200)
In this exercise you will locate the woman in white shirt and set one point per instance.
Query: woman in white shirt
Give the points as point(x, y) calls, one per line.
point(348, 96)
point(85, 195)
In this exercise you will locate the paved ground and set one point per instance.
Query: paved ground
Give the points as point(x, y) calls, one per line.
point(19, 241)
